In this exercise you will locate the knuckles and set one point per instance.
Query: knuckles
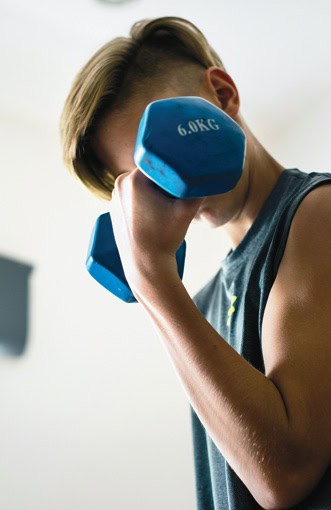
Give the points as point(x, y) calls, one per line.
point(128, 181)
point(127, 177)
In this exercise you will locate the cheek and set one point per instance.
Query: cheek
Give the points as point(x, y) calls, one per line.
point(114, 145)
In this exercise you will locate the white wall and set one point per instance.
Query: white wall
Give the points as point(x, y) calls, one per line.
point(93, 415)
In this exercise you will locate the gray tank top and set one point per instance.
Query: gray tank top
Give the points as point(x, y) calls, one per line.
point(233, 302)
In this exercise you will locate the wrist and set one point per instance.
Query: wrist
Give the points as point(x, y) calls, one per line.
point(152, 273)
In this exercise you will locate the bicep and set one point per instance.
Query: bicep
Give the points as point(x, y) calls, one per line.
point(296, 332)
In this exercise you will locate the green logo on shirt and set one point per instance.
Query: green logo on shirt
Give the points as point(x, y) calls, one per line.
point(231, 309)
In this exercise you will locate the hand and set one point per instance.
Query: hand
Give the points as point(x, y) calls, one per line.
point(148, 225)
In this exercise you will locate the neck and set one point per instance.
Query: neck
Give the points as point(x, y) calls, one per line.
point(260, 174)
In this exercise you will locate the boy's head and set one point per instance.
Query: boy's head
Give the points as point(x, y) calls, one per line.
point(163, 57)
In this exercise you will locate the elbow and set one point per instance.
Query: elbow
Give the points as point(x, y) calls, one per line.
point(273, 494)
point(287, 492)
point(275, 499)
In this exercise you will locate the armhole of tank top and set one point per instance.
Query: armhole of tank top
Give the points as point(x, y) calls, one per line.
point(284, 235)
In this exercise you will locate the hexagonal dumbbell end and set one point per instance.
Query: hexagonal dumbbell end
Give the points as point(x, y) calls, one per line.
point(189, 147)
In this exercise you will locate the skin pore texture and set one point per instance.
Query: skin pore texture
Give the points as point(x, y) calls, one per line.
point(236, 210)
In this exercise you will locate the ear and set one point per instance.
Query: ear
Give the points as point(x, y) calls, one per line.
point(219, 85)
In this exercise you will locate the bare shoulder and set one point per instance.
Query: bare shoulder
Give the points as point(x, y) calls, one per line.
point(309, 239)
point(318, 200)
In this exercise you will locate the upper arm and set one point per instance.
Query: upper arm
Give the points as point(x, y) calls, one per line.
point(296, 337)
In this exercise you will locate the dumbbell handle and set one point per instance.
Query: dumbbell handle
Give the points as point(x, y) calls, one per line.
point(110, 271)
point(104, 263)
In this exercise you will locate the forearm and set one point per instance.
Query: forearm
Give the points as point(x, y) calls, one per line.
point(241, 409)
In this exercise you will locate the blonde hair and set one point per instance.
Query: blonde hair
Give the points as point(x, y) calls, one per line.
point(118, 72)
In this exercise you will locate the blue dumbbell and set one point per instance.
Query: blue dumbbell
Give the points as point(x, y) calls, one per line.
point(190, 149)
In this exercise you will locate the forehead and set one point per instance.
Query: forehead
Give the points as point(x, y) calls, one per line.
point(115, 139)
